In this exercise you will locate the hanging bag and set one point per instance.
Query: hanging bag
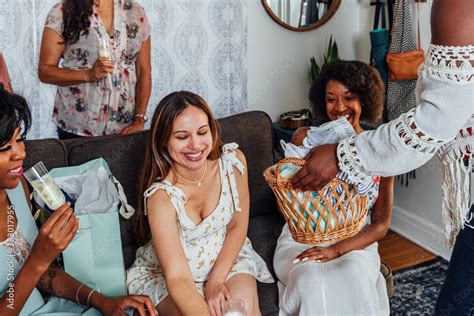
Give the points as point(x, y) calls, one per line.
point(405, 65)
point(380, 41)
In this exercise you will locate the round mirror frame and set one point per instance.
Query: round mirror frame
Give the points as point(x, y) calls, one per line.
point(329, 14)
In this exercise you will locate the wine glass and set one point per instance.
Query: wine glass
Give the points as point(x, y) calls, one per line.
point(106, 52)
point(40, 179)
point(233, 307)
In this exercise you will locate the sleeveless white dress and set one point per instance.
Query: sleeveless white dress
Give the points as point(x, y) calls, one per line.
point(201, 243)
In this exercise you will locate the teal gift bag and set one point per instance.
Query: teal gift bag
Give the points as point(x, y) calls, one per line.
point(95, 254)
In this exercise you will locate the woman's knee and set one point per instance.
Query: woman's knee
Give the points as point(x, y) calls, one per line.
point(244, 287)
point(250, 300)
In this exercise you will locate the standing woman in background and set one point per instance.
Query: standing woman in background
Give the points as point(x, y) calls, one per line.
point(97, 96)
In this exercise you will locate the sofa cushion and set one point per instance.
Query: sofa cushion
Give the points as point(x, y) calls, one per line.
point(253, 132)
point(124, 155)
point(263, 233)
point(51, 152)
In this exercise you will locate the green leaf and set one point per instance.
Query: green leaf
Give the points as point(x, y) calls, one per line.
point(331, 54)
point(334, 52)
point(329, 46)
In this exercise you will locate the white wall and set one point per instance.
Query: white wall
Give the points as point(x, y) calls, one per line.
point(277, 66)
point(278, 59)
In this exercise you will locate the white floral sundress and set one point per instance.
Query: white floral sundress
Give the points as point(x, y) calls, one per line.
point(201, 243)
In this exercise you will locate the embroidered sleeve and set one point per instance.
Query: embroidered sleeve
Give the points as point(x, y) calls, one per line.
point(54, 20)
point(451, 63)
point(349, 161)
point(445, 95)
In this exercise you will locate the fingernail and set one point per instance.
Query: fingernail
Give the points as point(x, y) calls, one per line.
point(68, 203)
point(296, 261)
point(305, 259)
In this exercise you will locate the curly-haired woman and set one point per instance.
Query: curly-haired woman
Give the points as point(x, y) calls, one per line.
point(97, 95)
point(340, 278)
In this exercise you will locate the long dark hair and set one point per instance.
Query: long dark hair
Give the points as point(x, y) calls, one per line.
point(76, 14)
point(14, 113)
point(158, 162)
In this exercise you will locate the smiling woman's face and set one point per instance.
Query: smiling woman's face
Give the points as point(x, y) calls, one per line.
point(12, 155)
point(190, 142)
point(342, 102)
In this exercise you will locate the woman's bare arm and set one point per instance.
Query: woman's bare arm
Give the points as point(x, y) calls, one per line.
point(452, 23)
point(170, 254)
point(52, 48)
point(380, 222)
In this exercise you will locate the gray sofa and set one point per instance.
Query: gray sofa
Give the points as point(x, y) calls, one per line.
point(124, 154)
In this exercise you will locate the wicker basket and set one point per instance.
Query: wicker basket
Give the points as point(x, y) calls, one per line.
point(311, 216)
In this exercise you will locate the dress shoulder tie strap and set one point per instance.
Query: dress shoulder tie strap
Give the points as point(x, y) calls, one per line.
point(230, 160)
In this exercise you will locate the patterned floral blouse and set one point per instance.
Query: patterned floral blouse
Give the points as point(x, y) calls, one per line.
point(96, 108)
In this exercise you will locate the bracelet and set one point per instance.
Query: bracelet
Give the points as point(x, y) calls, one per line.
point(143, 117)
point(90, 293)
point(77, 293)
point(89, 296)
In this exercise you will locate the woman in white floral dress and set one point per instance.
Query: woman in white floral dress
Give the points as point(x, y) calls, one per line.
point(193, 219)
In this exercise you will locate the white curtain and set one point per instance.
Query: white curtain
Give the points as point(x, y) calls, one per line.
point(197, 45)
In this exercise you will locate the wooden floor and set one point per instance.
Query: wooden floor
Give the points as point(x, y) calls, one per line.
point(399, 253)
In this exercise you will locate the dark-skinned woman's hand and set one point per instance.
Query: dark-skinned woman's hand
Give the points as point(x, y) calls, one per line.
point(115, 306)
point(55, 235)
point(320, 168)
point(318, 254)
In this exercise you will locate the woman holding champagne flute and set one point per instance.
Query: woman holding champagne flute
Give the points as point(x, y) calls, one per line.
point(104, 82)
point(26, 254)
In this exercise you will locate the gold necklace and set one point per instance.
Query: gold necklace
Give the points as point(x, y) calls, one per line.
point(198, 182)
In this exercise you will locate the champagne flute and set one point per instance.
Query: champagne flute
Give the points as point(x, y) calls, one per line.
point(106, 52)
point(40, 179)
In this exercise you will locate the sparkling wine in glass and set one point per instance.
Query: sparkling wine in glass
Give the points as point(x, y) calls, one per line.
point(106, 52)
point(40, 179)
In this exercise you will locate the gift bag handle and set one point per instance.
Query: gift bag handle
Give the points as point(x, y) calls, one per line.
point(126, 210)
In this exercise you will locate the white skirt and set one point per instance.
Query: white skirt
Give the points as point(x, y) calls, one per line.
point(349, 285)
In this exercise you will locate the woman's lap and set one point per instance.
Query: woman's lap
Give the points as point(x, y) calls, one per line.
point(354, 280)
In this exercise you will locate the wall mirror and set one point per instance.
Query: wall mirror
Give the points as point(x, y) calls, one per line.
point(301, 15)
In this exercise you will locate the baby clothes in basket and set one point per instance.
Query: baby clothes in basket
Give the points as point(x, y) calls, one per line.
point(328, 133)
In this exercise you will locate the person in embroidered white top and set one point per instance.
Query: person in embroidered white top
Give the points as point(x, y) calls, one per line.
point(104, 79)
point(192, 222)
point(442, 123)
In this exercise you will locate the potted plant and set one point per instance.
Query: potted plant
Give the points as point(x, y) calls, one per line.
point(331, 54)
